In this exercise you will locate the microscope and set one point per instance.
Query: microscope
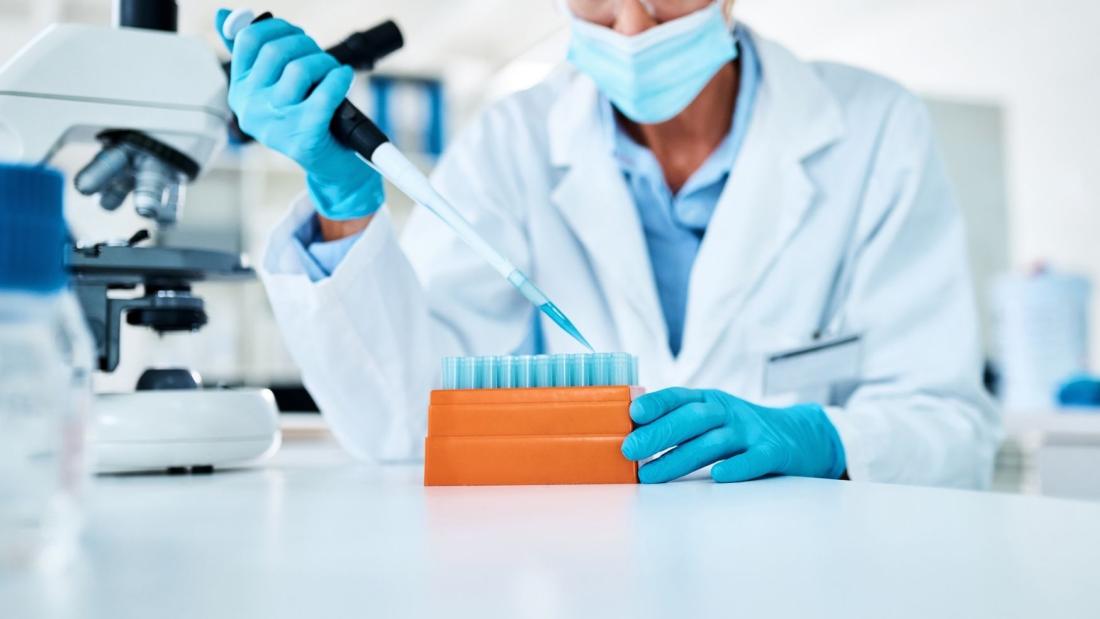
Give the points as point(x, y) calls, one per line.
point(155, 103)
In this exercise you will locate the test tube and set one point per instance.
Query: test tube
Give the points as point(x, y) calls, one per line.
point(504, 372)
point(449, 376)
point(578, 370)
point(465, 373)
point(561, 371)
point(620, 369)
point(601, 370)
point(544, 373)
point(486, 378)
point(524, 371)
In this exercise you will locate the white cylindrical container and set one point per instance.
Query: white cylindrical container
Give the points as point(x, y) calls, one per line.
point(45, 368)
point(1042, 336)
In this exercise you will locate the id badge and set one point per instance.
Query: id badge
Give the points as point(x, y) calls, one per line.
point(820, 364)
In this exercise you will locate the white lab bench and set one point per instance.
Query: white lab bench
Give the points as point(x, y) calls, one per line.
point(313, 534)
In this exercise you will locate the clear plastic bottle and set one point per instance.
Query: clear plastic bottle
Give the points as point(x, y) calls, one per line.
point(45, 375)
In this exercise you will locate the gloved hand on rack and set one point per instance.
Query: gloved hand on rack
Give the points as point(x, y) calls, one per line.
point(284, 90)
point(747, 441)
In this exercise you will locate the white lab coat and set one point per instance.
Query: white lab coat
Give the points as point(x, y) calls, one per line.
point(837, 214)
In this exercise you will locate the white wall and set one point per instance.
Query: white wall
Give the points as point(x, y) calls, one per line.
point(971, 139)
point(1039, 61)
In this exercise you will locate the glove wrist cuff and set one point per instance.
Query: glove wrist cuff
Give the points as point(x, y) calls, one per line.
point(345, 200)
point(839, 462)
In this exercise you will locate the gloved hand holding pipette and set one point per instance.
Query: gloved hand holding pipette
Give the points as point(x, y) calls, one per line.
point(284, 101)
point(304, 86)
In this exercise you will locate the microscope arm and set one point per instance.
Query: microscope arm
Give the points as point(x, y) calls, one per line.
point(163, 93)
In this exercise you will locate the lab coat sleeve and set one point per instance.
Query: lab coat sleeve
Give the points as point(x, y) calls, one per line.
point(338, 331)
point(369, 338)
point(920, 415)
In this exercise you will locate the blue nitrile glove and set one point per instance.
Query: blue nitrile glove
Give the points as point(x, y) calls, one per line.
point(275, 66)
point(1080, 390)
point(747, 441)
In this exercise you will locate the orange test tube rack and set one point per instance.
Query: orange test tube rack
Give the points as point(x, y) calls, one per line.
point(538, 436)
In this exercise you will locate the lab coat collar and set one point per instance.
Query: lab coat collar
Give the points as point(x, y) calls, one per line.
point(763, 204)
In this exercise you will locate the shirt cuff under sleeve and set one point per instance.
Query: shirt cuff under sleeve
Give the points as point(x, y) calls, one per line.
point(320, 258)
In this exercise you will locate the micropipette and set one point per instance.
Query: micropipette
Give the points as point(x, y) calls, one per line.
point(354, 130)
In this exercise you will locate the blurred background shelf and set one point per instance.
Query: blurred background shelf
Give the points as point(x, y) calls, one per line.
point(1081, 423)
point(1051, 452)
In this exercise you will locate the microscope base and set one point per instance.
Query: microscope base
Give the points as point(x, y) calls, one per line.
point(186, 429)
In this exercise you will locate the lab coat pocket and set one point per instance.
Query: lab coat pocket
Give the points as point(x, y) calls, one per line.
point(809, 372)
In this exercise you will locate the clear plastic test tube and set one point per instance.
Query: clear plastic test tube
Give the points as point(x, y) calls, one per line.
point(484, 378)
point(504, 373)
point(620, 369)
point(524, 371)
point(449, 376)
point(578, 370)
point(561, 371)
point(544, 372)
point(465, 373)
point(600, 370)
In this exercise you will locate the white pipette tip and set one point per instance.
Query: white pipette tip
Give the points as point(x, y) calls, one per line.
point(238, 20)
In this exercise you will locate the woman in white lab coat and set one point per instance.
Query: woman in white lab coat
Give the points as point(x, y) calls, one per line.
point(775, 239)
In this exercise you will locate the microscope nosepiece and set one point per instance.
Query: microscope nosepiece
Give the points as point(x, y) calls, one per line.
point(134, 163)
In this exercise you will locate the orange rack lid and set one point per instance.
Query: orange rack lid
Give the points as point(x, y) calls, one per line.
point(557, 411)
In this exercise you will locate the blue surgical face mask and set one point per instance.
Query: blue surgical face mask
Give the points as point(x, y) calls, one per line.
point(652, 76)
